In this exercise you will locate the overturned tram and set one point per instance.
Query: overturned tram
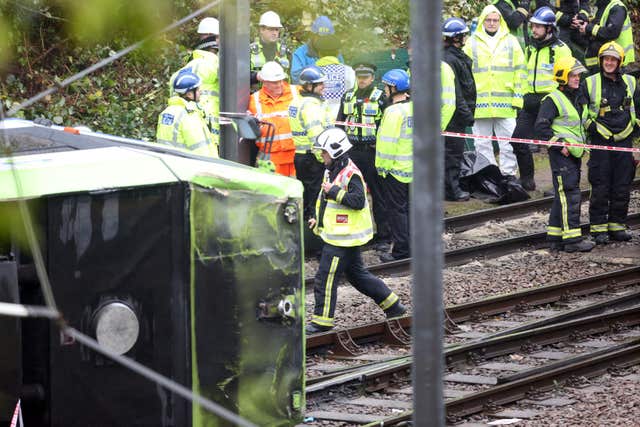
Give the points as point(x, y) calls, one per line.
point(189, 266)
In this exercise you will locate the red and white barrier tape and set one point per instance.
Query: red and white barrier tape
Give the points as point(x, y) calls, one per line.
point(540, 142)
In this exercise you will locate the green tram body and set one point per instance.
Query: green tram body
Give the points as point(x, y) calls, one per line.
point(192, 267)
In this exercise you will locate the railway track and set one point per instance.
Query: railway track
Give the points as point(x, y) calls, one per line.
point(346, 342)
point(613, 312)
point(489, 250)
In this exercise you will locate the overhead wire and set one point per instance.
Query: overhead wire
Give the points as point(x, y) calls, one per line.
point(50, 310)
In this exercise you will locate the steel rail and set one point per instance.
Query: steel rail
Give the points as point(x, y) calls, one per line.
point(555, 374)
point(483, 251)
point(479, 309)
point(377, 376)
point(459, 223)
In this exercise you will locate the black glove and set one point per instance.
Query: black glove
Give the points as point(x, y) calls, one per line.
point(525, 4)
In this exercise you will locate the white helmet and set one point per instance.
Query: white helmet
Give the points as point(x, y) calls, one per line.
point(272, 72)
point(334, 141)
point(209, 25)
point(270, 19)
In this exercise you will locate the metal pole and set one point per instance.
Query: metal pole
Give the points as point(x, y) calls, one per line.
point(234, 73)
point(426, 214)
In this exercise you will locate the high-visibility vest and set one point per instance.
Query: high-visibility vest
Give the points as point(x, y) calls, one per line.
point(276, 111)
point(594, 88)
point(625, 39)
point(568, 125)
point(182, 125)
point(540, 67)
point(343, 226)
point(205, 65)
point(308, 117)
point(368, 113)
point(258, 59)
point(394, 143)
point(498, 73)
point(448, 80)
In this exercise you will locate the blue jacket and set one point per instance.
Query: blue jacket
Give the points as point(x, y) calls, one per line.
point(303, 57)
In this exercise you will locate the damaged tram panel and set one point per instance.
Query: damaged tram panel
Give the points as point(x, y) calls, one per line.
point(191, 267)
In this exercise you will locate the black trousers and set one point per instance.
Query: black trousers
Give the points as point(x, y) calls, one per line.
point(453, 151)
point(310, 172)
point(564, 217)
point(524, 129)
point(364, 156)
point(610, 175)
point(397, 200)
point(335, 261)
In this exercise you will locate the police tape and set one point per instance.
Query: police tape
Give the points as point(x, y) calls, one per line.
point(540, 142)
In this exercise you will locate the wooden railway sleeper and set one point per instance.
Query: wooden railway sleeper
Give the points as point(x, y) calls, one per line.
point(345, 346)
point(394, 334)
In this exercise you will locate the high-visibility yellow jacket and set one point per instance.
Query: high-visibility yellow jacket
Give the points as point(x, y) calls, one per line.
point(341, 225)
point(498, 69)
point(394, 144)
point(540, 67)
point(182, 125)
point(568, 125)
point(448, 80)
point(205, 65)
point(308, 117)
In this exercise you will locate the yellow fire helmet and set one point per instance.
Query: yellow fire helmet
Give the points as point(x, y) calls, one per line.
point(565, 66)
point(611, 49)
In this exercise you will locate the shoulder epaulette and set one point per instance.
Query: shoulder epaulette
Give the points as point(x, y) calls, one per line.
point(375, 95)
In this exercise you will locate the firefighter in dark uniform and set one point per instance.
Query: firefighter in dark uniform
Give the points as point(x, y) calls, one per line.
point(343, 221)
point(612, 98)
point(454, 33)
point(611, 23)
point(365, 104)
point(561, 118)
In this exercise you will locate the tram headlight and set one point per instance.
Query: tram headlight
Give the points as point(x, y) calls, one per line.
point(116, 327)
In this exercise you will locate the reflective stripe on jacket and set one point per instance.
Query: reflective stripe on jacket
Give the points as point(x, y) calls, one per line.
point(181, 125)
point(343, 226)
point(258, 59)
point(594, 88)
point(394, 143)
point(568, 125)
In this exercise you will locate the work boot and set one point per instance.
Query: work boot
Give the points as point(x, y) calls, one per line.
point(387, 257)
point(528, 183)
point(382, 246)
point(313, 328)
point(581, 246)
point(556, 246)
point(620, 236)
point(461, 196)
point(600, 238)
point(396, 310)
